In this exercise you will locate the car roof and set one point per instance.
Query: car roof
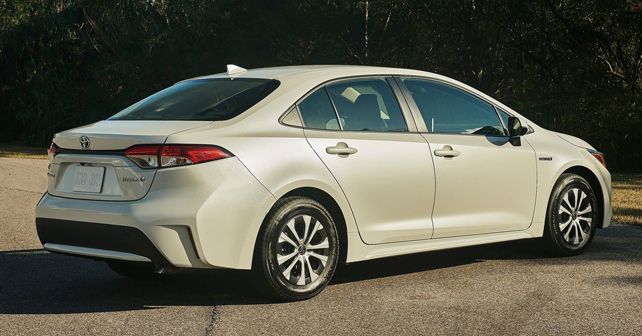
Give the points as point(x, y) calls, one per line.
point(319, 71)
point(309, 76)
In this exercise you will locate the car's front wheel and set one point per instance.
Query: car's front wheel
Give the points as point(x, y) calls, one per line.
point(572, 216)
point(297, 251)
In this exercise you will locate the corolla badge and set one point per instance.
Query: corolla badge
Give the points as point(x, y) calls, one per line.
point(84, 142)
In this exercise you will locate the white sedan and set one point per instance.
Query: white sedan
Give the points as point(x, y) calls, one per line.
point(292, 171)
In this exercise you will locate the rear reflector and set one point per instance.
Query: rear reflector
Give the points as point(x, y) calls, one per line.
point(155, 156)
point(600, 157)
point(52, 151)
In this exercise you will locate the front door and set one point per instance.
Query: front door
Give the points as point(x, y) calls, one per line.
point(485, 184)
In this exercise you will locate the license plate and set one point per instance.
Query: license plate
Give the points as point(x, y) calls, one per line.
point(88, 179)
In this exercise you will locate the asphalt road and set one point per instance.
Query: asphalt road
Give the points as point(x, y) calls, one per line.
point(507, 288)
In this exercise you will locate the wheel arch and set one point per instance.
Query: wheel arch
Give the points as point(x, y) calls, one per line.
point(328, 202)
point(594, 182)
point(333, 207)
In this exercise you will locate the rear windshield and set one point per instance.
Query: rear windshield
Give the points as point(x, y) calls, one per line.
point(201, 99)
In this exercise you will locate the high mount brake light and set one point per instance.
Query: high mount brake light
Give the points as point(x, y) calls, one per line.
point(160, 156)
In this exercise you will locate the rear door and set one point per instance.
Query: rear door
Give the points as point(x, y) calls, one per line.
point(485, 184)
point(360, 131)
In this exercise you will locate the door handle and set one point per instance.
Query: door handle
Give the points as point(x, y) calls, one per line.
point(446, 151)
point(340, 149)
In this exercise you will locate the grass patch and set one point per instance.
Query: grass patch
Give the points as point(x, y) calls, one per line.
point(23, 152)
point(627, 198)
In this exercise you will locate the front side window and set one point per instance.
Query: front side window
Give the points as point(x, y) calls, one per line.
point(201, 99)
point(448, 110)
point(367, 105)
point(504, 115)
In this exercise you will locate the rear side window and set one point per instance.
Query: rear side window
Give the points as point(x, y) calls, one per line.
point(367, 105)
point(317, 111)
point(201, 99)
point(452, 111)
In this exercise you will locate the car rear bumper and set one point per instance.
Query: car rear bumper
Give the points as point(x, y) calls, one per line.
point(97, 240)
point(202, 216)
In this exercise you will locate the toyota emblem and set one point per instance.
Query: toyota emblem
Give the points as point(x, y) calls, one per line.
point(84, 142)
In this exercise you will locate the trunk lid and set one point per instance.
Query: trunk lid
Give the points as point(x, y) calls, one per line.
point(91, 164)
point(121, 134)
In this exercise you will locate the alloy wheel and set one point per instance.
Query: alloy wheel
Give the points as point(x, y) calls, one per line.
point(303, 250)
point(575, 217)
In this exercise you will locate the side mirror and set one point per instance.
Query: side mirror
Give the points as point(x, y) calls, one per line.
point(515, 130)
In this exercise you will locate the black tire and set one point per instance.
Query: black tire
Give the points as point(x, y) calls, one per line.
point(567, 240)
point(133, 270)
point(269, 276)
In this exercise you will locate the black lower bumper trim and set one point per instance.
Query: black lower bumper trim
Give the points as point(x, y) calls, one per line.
point(99, 236)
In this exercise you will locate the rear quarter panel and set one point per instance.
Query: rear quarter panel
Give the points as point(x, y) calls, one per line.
point(280, 158)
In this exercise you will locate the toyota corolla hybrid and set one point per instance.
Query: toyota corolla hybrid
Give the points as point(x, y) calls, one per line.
point(291, 171)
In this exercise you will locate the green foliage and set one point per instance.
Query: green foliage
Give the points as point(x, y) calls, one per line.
point(573, 67)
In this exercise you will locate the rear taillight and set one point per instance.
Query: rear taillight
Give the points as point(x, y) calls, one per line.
point(178, 155)
point(160, 156)
point(145, 156)
point(52, 151)
point(599, 156)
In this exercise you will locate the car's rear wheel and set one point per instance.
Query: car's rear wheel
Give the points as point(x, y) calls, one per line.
point(133, 270)
point(297, 251)
point(572, 216)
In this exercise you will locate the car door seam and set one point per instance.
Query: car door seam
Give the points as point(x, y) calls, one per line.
point(339, 184)
point(537, 191)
